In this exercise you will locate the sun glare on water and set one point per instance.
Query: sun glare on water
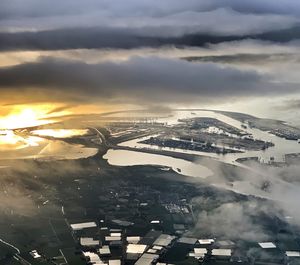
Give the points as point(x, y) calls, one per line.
point(20, 117)
point(19, 126)
point(60, 133)
point(9, 140)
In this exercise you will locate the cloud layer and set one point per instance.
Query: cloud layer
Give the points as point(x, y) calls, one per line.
point(139, 79)
point(119, 24)
point(136, 51)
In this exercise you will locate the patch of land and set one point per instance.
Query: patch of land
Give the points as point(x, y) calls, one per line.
point(276, 127)
point(207, 135)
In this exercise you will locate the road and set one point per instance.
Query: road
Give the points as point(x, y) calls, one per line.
point(101, 136)
point(10, 245)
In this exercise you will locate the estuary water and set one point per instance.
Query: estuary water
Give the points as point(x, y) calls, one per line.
point(133, 158)
point(196, 169)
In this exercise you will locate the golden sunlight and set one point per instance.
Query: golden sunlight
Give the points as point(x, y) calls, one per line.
point(60, 133)
point(22, 119)
point(23, 116)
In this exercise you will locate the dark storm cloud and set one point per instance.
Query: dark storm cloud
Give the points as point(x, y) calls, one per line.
point(127, 24)
point(73, 39)
point(93, 38)
point(244, 58)
point(139, 79)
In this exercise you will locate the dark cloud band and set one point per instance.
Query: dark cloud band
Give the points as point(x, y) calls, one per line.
point(94, 38)
point(139, 79)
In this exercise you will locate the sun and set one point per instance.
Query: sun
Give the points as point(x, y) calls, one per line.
point(22, 119)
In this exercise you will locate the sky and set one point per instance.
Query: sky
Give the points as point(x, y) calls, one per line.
point(103, 55)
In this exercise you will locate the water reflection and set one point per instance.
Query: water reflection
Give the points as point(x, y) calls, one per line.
point(11, 141)
point(132, 158)
point(60, 133)
point(15, 146)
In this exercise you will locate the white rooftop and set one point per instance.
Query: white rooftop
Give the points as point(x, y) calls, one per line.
point(136, 248)
point(116, 234)
point(152, 251)
point(267, 245)
point(292, 253)
point(198, 253)
point(94, 258)
point(112, 238)
point(157, 247)
point(105, 250)
point(114, 262)
point(221, 252)
point(88, 241)
point(206, 241)
point(80, 226)
point(35, 254)
point(133, 239)
point(200, 250)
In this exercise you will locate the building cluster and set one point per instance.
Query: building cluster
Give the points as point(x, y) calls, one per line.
point(106, 244)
